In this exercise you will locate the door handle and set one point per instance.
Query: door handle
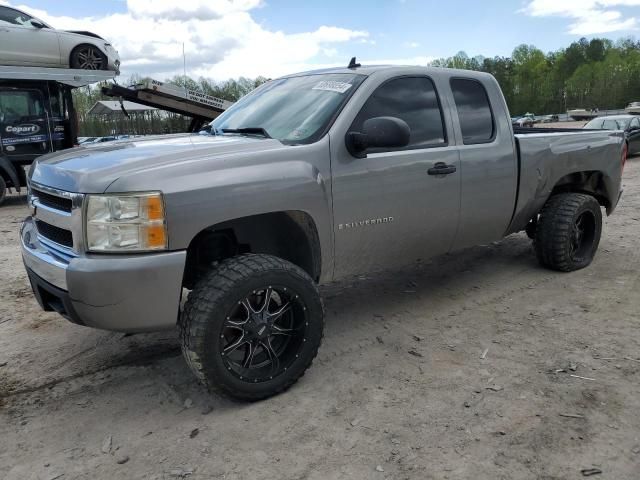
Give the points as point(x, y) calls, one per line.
point(441, 168)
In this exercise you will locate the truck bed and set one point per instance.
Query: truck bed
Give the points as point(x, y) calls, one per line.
point(547, 156)
point(530, 130)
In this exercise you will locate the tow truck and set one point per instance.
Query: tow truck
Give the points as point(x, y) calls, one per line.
point(37, 115)
point(202, 108)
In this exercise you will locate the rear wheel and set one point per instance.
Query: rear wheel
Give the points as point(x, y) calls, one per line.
point(252, 326)
point(568, 231)
point(88, 57)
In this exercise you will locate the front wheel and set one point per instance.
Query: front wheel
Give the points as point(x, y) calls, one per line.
point(252, 326)
point(568, 231)
point(88, 57)
point(3, 190)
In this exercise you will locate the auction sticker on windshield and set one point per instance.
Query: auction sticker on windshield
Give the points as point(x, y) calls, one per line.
point(331, 86)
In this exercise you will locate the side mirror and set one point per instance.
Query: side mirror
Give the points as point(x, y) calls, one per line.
point(378, 132)
point(37, 24)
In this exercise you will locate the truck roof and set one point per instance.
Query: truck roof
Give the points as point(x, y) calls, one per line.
point(400, 69)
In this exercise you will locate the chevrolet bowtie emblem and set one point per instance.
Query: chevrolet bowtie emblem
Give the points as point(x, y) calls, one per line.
point(32, 206)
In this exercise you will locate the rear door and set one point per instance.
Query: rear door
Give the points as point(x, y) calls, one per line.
point(388, 208)
point(23, 44)
point(487, 161)
point(24, 123)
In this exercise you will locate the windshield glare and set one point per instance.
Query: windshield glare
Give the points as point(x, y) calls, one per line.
point(293, 110)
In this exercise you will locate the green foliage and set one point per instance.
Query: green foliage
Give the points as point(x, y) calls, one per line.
point(587, 74)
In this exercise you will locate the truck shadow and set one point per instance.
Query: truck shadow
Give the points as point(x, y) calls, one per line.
point(351, 304)
point(15, 199)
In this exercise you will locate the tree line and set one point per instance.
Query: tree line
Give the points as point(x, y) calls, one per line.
point(597, 73)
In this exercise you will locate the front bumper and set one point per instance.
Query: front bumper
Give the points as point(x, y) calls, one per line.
point(113, 59)
point(125, 293)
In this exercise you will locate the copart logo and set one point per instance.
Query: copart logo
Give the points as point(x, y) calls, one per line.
point(25, 129)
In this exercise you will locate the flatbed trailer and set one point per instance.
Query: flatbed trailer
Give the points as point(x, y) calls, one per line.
point(202, 108)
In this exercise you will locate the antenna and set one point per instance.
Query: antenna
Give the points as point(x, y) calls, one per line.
point(353, 64)
point(184, 68)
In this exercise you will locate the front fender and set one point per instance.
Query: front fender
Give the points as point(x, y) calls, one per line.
point(202, 194)
point(248, 191)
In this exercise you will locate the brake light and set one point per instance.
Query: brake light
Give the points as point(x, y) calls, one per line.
point(625, 151)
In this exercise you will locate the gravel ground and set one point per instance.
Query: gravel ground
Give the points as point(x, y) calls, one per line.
point(478, 364)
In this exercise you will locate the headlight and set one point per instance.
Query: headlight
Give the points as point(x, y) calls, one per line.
point(115, 223)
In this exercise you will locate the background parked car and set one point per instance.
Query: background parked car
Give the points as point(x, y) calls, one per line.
point(630, 124)
point(633, 108)
point(527, 120)
point(549, 119)
point(29, 42)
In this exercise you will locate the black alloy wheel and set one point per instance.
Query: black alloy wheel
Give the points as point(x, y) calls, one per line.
point(582, 235)
point(262, 335)
point(568, 231)
point(252, 326)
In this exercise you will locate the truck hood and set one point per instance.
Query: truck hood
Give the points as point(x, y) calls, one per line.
point(93, 168)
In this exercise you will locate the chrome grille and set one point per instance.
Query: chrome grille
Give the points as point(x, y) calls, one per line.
point(58, 217)
point(55, 234)
point(53, 201)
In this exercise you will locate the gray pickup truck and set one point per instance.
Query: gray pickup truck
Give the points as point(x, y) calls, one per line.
point(307, 179)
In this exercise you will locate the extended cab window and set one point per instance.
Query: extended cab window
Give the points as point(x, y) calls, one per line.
point(474, 111)
point(412, 99)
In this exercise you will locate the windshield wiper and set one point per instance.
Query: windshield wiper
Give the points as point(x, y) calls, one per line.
point(248, 130)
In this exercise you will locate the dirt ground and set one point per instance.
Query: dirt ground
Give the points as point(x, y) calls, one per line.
point(475, 365)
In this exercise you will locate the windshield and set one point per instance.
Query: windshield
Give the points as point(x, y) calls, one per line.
point(594, 124)
point(293, 110)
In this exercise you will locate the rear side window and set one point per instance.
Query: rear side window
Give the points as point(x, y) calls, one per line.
point(612, 125)
point(474, 111)
point(412, 99)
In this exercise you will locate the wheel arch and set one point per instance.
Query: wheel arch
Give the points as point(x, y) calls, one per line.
point(290, 234)
point(590, 182)
point(85, 44)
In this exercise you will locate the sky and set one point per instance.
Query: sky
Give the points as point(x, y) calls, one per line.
point(230, 38)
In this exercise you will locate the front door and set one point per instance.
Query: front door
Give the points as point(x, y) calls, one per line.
point(392, 207)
